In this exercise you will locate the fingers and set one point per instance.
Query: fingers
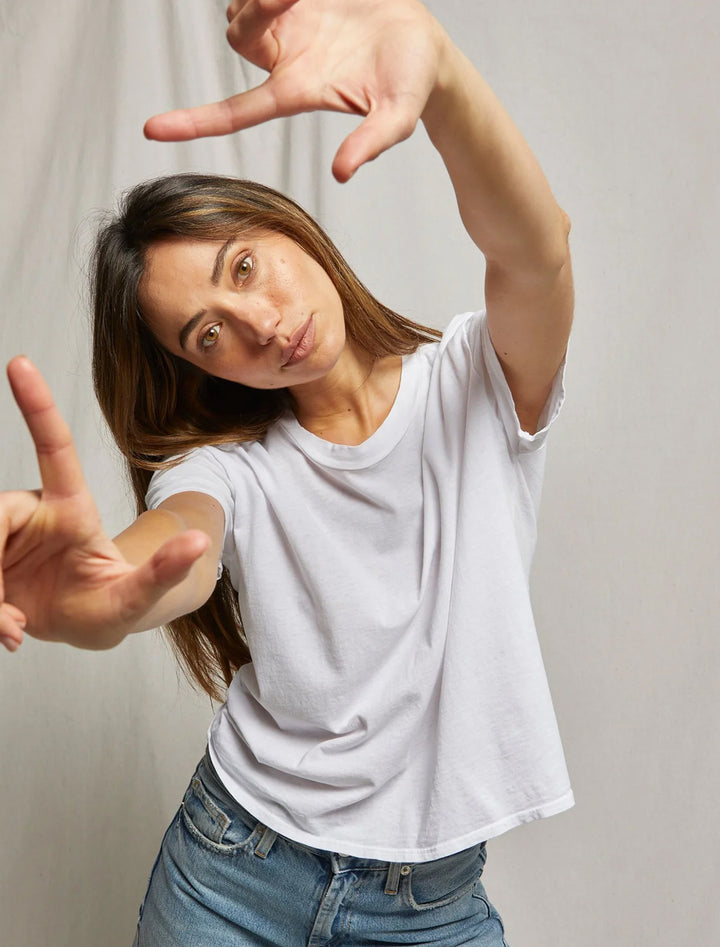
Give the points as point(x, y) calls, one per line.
point(236, 6)
point(12, 625)
point(16, 508)
point(220, 118)
point(58, 461)
point(15, 614)
point(249, 24)
point(249, 34)
point(383, 128)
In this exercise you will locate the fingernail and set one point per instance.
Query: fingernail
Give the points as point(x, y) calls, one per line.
point(9, 643)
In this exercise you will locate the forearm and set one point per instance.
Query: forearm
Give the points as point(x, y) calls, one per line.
point(140, 541)
point(504, 199)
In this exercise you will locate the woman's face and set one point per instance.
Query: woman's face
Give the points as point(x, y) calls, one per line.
point(254, 309)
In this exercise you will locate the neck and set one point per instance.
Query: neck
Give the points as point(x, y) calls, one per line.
point(349, 404)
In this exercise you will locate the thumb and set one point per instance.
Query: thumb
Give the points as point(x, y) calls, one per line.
point(383, 128)
point(166, 568)
point(174, 559)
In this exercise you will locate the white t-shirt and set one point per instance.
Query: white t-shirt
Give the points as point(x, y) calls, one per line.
point(396, 706)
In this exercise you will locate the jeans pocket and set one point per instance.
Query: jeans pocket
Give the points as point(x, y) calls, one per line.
point(436, 883)
point(214, 821)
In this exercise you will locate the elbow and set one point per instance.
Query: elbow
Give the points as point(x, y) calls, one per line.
point(550, 251)
point(556, 247)
point(540, 257)
point(565, 223)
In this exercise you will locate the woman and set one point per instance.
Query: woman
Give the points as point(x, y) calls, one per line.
point(369, 494)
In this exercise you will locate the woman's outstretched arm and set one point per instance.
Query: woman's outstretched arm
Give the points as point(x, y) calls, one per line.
point(61, 577)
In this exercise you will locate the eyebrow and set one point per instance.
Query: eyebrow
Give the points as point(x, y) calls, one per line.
point(214, 279)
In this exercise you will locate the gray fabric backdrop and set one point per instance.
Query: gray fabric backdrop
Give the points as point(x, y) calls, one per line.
point(619, 101)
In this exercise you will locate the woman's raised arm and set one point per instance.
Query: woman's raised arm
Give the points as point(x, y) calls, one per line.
point(391, 61)
point(509, 211)
point(61, 577)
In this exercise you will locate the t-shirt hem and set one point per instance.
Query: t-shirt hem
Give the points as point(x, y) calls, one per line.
point(291, 832)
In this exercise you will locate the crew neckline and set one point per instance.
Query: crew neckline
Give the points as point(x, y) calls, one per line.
point(375, 447)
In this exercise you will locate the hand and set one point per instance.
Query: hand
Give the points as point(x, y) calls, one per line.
point(378, 58)
point(61, 577)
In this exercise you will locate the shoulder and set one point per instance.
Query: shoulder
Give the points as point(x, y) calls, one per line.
point(464, 322)
point(464, 331)
point(207, 469)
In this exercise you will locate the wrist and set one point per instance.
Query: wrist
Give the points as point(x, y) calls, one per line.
point(447, 91)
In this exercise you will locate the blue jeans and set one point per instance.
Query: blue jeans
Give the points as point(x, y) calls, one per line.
point(224, 880)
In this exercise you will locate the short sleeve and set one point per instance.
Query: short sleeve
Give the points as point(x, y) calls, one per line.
point(473, 326)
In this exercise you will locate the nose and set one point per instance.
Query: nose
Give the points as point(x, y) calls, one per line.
point(265, 327)
point(258, 325)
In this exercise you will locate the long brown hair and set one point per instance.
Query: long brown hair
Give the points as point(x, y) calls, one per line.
point(158, 406)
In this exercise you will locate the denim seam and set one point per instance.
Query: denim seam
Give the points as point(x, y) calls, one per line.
point(480, 897)
point(141, 909)
point(347, 905)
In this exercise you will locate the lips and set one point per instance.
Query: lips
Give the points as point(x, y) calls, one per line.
point(300, 344)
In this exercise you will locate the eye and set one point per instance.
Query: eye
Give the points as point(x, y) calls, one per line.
point(244, 267)
point(210, 337)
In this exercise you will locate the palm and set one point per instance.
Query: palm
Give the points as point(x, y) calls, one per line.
point(378, 59)
point(62, 576)
point(60, 568)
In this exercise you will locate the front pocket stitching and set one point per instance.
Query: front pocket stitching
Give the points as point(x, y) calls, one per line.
point(207, 803)
point(236, 848)
point(442, 902)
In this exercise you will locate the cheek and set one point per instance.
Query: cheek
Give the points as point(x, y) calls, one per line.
point(332, 304)
point(340, 321)
point(334, 340)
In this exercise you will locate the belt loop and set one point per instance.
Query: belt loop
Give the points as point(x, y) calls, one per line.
point(267, 839)
point(393, 878)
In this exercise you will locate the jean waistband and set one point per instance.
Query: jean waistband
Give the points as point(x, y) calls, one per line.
point(340, 862)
